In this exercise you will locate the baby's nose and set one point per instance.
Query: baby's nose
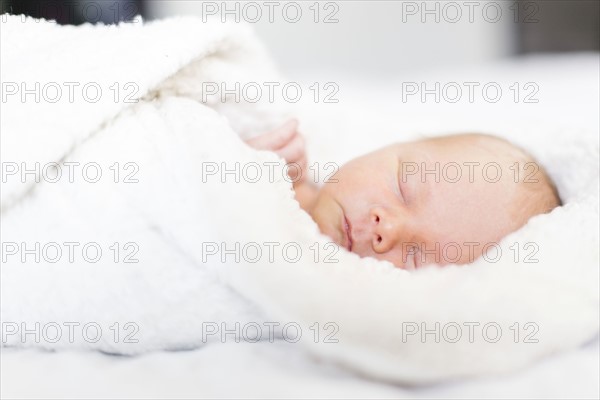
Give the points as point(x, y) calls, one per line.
point(386, 229)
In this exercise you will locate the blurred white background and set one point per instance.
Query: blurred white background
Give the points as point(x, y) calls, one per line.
point(368, 37)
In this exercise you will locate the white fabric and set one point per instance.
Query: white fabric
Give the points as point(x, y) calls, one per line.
point(269, 370)
point(171, 212)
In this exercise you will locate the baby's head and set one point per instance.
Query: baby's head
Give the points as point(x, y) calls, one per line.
point(435, 201)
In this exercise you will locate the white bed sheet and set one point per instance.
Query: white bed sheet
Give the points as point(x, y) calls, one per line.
point(266, 370)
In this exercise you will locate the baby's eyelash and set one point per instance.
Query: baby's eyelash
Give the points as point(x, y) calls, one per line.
point(412, 251)
point(416, 255)
point(402, 196)
point(399, 181)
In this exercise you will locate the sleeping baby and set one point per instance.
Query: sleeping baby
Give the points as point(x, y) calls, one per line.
point(440, 200)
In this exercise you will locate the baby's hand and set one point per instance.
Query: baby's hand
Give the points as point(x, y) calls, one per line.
point(288, 143)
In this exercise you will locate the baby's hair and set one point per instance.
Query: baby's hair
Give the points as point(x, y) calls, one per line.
point(537, 194)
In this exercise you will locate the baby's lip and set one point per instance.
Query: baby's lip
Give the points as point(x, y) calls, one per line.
point(347, 227)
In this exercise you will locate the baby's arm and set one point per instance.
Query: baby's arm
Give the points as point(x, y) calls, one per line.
point(288, 143)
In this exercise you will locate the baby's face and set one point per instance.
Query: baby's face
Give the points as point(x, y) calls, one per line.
point(386, 205)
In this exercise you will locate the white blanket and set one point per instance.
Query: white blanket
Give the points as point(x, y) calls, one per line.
point(174, 211)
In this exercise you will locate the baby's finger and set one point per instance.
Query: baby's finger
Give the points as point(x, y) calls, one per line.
point(294, 150)
point(303, 163)
point(276, 138)
point(297, 170)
